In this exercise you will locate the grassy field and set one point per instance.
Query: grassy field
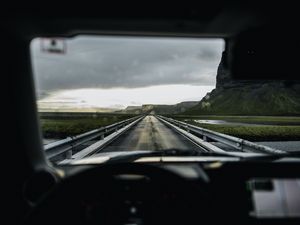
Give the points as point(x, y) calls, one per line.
point(279, 129)
point(62, 125)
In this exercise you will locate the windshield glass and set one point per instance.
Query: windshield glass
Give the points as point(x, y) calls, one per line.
point(111, 95)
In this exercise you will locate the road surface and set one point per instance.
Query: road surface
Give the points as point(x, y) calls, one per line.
point(150, 134)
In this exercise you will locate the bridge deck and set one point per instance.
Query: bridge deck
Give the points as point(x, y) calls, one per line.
point(150, 134)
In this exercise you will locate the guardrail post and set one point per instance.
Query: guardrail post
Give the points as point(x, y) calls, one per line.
point(102, 136)
point(187, 129)
point(204, 138)
point(69, 154)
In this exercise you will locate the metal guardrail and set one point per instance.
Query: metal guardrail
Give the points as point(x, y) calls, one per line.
point(66, 145)
point(99, 145)
point(204, 146)
point(234, 142)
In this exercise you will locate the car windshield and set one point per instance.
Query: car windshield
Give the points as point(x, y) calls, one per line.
point(122, 95)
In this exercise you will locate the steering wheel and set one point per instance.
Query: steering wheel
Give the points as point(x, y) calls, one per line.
point(120, 194)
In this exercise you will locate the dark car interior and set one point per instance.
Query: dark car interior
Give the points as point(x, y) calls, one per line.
point(264, 44)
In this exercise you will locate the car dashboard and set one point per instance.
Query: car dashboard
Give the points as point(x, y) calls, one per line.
point(174, 193)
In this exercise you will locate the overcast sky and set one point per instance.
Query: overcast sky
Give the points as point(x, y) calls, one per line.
point(121, 71)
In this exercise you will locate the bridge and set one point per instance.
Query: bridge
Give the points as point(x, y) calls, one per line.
point(150, 132)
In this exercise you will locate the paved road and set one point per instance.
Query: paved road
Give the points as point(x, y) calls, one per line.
point(150, 134)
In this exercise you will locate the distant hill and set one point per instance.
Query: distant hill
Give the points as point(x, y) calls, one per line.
point(160, 109)
point(232, 97)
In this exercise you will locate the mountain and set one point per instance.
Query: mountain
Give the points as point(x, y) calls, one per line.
point(231, 97)
point(160, 109)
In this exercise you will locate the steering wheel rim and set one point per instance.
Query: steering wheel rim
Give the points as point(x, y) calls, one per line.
point(163, 179)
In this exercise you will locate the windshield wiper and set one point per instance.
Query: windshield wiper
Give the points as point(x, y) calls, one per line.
point(162, 153)
point(293, 154)
point(177, 152)
point(272, 157)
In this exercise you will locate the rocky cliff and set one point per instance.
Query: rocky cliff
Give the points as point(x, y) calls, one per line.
point(232, 97)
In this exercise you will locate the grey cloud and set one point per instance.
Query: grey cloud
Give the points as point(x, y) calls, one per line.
point(106, 62)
